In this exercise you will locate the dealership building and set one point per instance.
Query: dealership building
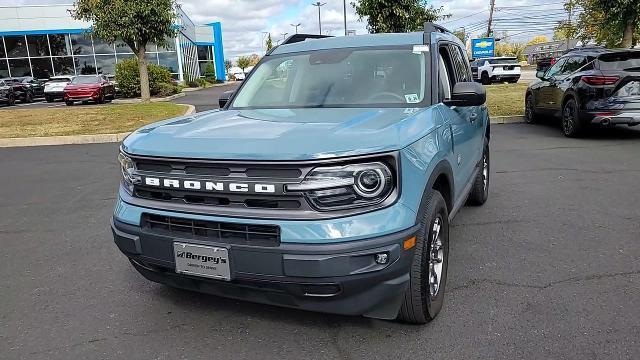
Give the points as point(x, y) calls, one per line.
point(44, 41)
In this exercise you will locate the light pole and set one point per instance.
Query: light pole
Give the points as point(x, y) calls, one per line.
point(344, 10)
point(318, 4)
point(296, 26)
point(284, 36)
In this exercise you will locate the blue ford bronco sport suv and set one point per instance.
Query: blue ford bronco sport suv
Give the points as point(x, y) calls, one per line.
point(326, 182)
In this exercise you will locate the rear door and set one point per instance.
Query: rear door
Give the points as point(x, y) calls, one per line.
point(557, 88)
point(545, 89)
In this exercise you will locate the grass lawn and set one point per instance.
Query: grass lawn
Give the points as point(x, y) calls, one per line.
point(506, 99)
point(77, 120)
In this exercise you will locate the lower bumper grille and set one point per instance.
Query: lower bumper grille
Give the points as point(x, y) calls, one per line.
point(232, 233)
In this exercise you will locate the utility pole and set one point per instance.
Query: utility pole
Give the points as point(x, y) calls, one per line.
point(568, 32)
point(296, 26)
point(492, 5)
point(318, 4)
point(284, 36)
point(344, 10)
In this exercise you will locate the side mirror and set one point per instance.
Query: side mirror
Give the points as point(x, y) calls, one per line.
point(224, 98)
point(540, 74)
point(467, 94)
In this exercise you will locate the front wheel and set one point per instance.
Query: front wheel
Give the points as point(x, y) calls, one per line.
point(571, 125)
point(69, 103)
point(424, 296)
point(49, 99)
point(530, 115)
point(28, 98)
point(486, 80)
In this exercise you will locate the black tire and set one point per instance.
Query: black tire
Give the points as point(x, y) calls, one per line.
point(420, 305)
point(49, 99)
point(69, 103)
point(530, 115)
point(485, 79)
point(100, 98)
point(28, 98)
point(480, 190)
point(571, 125)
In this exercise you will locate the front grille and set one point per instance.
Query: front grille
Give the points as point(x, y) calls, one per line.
point(223, 232)
point(242, 172)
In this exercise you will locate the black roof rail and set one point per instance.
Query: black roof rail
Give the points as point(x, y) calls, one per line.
point(430, 28)
point(296, 38)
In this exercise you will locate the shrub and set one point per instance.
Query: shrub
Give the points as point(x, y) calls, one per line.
point(192, 83)
point(210, 72)
point(167, 89)
point(202, 82)
point(128, 77)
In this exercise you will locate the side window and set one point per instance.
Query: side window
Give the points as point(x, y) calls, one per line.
point(555, 69)
point(460, 64)
point(573, 64)
point(444, 75)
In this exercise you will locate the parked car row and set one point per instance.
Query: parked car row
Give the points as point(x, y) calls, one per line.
point(96, 88)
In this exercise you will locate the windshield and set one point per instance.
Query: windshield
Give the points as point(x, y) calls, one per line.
point(86, 80)
point(336, 78)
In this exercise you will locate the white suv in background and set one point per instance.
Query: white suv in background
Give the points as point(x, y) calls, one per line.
point(496, 69)
point(53, 89)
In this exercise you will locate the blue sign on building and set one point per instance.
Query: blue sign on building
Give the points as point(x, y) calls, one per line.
point(482, 48)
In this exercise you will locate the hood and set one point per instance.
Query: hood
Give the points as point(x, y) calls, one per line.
point(282, 134)
point(81, 86)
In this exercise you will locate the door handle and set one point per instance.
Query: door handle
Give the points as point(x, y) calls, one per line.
point(473, 117)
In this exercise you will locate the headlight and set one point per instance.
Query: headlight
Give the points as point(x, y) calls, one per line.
point(348, 186)
point(128, 168)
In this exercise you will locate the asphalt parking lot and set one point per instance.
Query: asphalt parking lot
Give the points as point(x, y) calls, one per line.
point(548, 269)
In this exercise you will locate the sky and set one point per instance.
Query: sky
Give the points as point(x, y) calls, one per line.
point(244, 21)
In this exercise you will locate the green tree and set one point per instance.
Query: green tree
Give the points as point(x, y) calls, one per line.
point(269, 42)
point(610, 22)
point(538, 39)
point(386, 16)
point(461, 34)
point(136, 22)
point(210, 72)
point(244, 62)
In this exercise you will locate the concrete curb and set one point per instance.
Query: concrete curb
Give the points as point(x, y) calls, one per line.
point(507, 119)
point(162, 99)
point(73, 139)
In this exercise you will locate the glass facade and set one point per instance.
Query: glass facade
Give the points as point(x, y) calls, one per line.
point(46, 55)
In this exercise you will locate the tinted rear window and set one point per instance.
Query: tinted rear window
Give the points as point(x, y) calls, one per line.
point(620, 61)
point(503, 61)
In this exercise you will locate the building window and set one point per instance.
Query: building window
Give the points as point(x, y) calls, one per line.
point(60, 44)
point(123, 48)
point(81, 44)
point(41, 67)
point(38, 45)
point(4, 68)
point(63, 65)
point(204, 52)
point(2, 53)
point(19, 67)
point(102, 47)
point(152, 58)
point(85, 65)
point(106, 64)
point(16, 46)
point(169, 60)
point(121, 57)
point(169, 46)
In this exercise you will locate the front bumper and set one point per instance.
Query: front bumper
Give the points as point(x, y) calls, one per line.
point(81, 96)
point(340, 278)
point(54, 94)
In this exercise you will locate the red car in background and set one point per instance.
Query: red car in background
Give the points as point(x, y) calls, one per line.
point(85, 88)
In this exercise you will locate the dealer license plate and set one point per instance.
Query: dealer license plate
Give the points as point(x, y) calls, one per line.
point(206, 261)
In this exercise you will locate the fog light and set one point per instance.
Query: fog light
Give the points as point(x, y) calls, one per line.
point(382, 258)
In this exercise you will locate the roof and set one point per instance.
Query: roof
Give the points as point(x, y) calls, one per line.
point(351, 42)
point(596, 50)
point(552, 46)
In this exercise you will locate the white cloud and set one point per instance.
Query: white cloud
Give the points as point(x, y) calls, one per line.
point(243, 21)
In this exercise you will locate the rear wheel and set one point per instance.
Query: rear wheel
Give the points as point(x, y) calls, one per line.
point(11, 100)
point(28, 98)
point(100, 98)
point(428, 274)
point(48, 99)
point(530, 115)
point(69, 103)
point(480, 191)
point(571, 125)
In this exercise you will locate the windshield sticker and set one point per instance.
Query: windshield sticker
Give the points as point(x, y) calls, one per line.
point(412, 98)
point(417, 49)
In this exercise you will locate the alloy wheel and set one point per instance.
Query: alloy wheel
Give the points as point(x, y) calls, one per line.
point(436, 257)
point(568, 119)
